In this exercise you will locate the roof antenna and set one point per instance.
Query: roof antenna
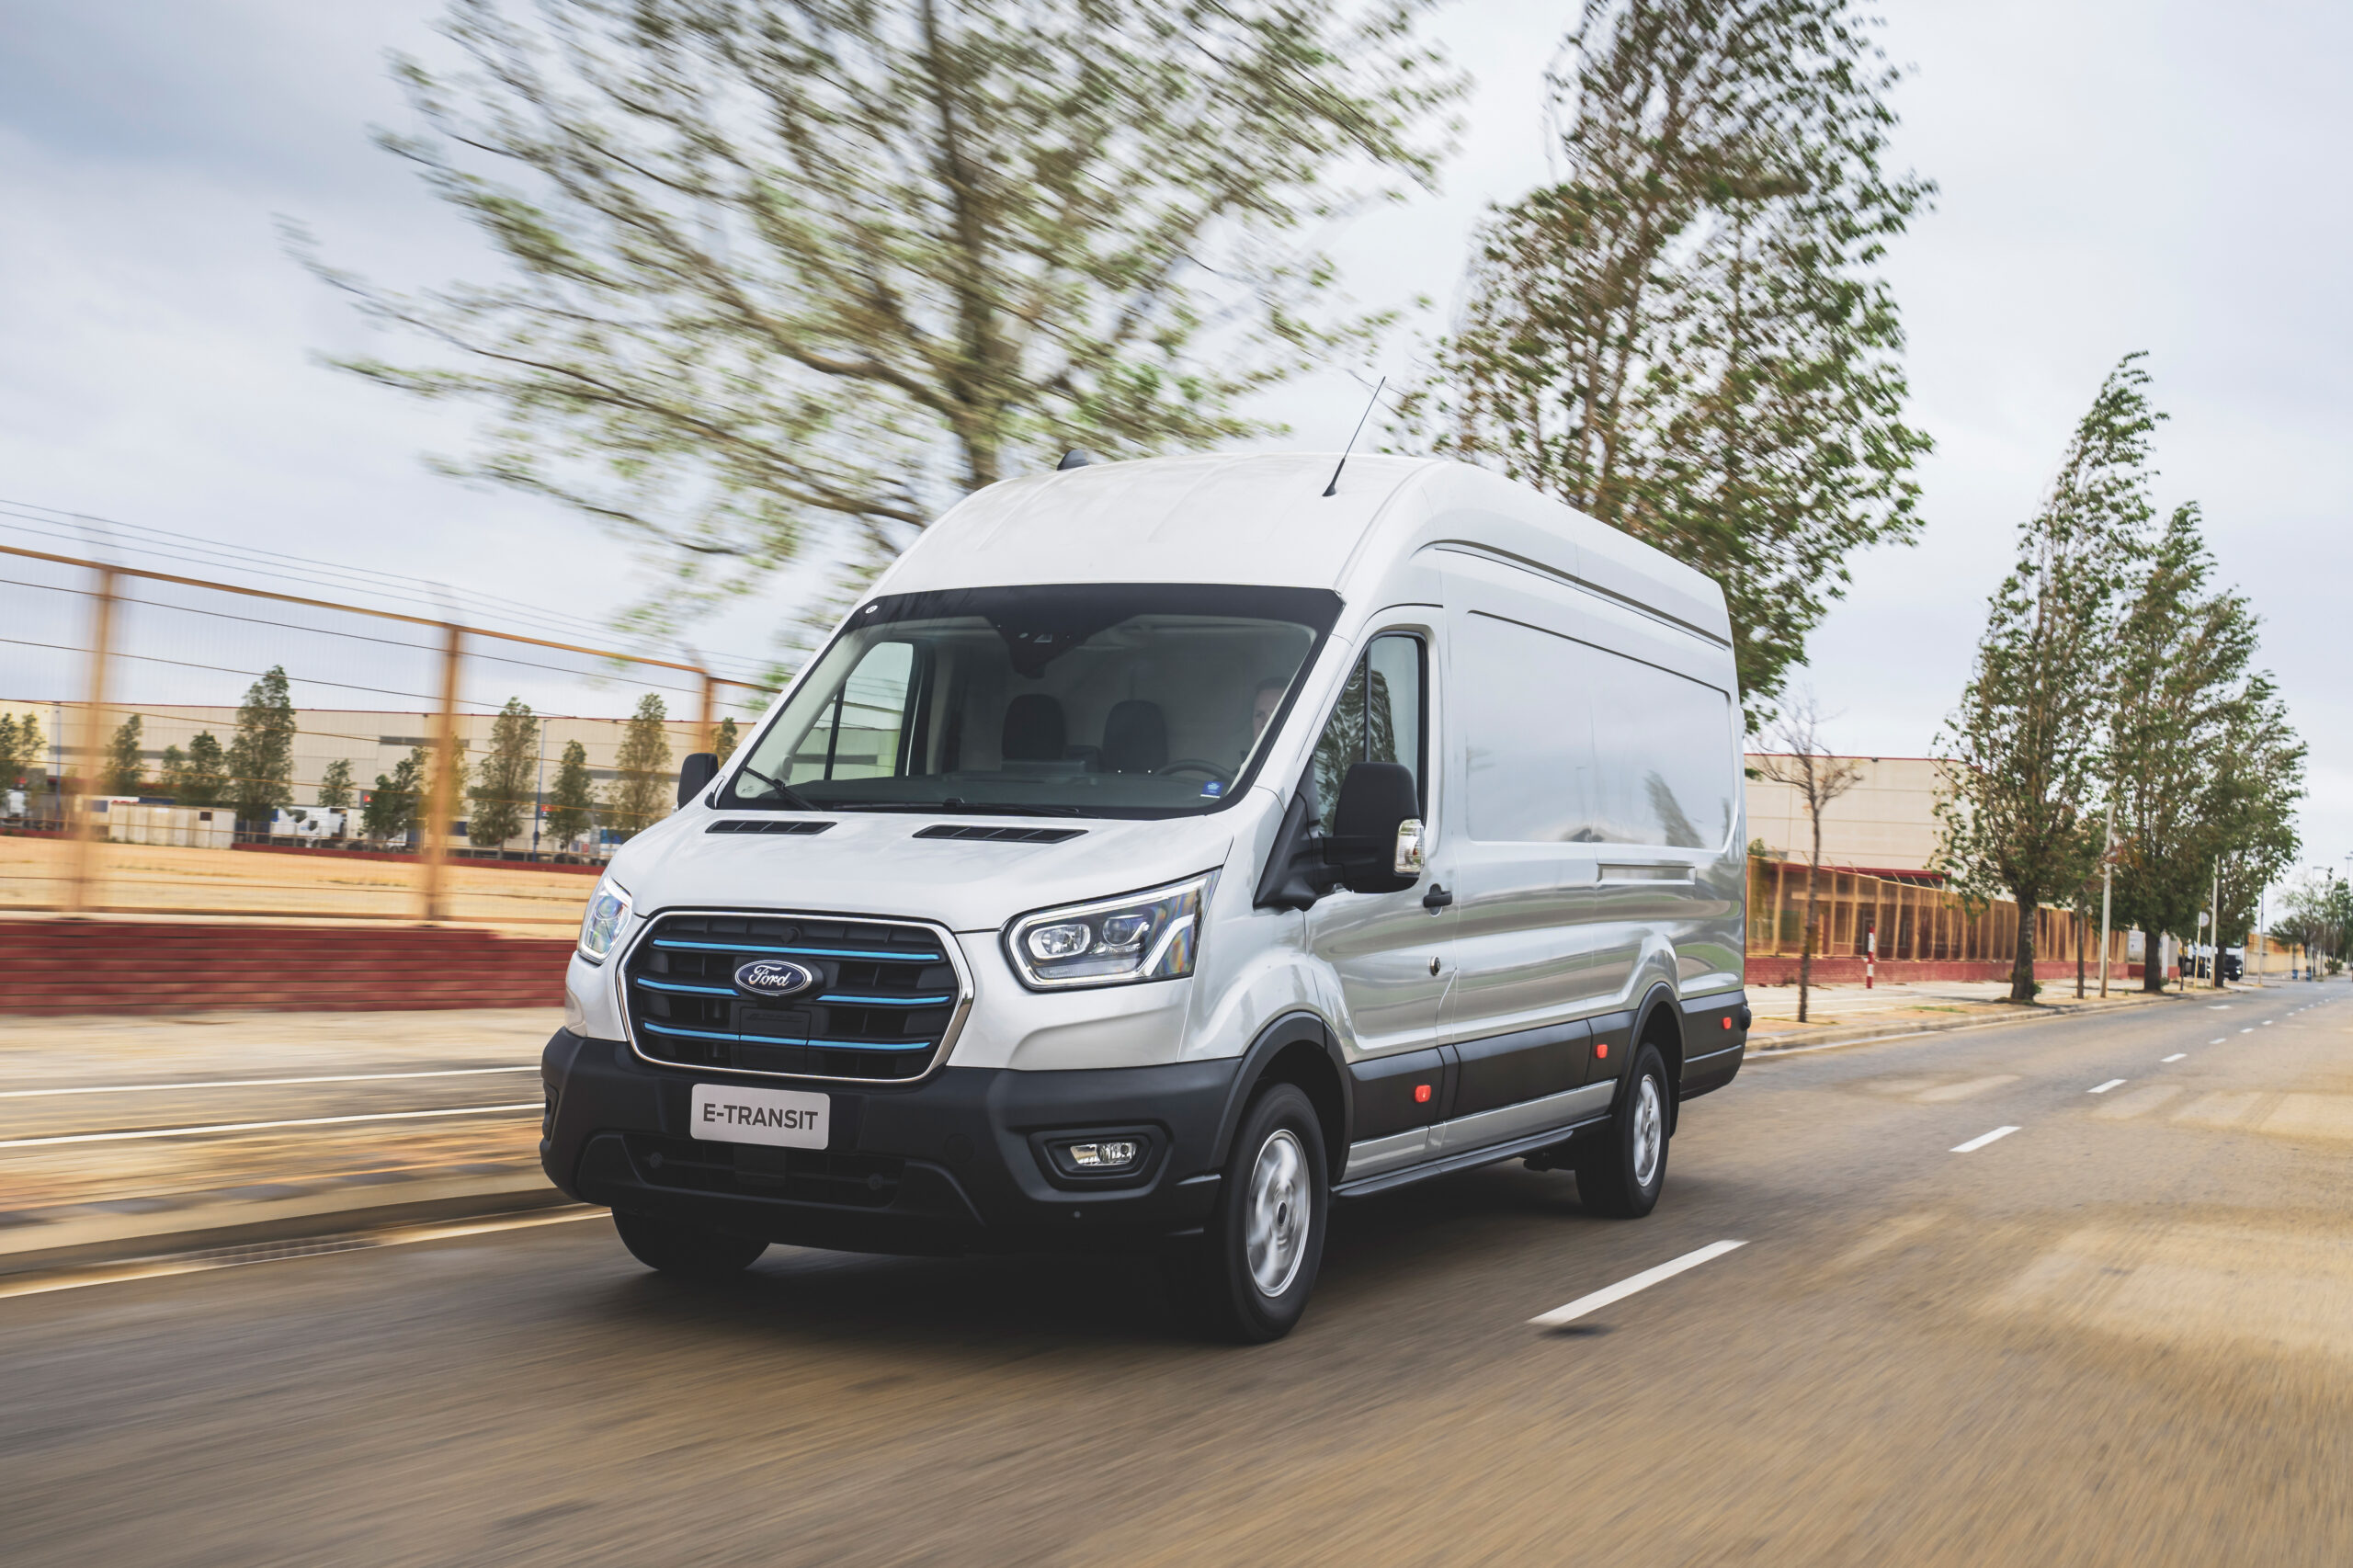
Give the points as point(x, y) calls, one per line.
point(1334, 488)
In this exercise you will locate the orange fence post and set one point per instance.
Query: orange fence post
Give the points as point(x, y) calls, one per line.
point(81, 885)
point(441, 799)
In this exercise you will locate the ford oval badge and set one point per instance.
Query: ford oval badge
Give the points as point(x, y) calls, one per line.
point(774, 977)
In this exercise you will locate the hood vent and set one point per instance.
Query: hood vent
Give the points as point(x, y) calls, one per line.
point(1002, 834)
point(776, 825)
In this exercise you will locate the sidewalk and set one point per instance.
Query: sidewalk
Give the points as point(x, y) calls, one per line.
point(1839, 1014)
point(435, 1112)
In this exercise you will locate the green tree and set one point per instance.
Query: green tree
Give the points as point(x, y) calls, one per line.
point(2024, 747)
point(20, 751)
point(261, 755)
point(504, 781)
point(726, 740)
point(392, 807)
point(203, 779)
point(2206, 768)
point(770, 269)
point(126, 774)
point(641, 790)
point(572, 801)
point(1687, 337)
point(334, 786)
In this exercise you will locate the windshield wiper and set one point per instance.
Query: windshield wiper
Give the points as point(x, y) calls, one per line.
point(785, 792)
point(953, 807)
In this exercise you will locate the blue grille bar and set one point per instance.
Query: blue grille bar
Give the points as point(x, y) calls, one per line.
point(887, 1001)
point(781, 1039)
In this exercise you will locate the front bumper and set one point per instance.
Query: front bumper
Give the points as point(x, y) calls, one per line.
point(955, 1162)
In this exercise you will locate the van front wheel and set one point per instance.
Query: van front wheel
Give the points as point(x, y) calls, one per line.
point(1622, 1170)
point(692, 1252)
point(1248, 1276)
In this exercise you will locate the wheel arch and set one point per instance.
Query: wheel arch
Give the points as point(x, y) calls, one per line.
point(1300, 1049)
point(1659, 1022)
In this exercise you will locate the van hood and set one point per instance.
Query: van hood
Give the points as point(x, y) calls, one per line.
point(873, 863)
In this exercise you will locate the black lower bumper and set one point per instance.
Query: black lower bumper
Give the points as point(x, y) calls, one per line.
point(957, 1163)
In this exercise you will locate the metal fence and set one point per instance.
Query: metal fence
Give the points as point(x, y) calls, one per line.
point(1915, 921)
point(171, 744)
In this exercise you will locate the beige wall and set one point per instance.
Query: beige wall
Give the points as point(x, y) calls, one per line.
point(1887, 822)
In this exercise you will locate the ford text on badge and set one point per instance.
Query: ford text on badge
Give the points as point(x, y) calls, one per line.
point(785, 1118)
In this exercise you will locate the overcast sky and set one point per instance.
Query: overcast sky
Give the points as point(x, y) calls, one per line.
point(2115, 175)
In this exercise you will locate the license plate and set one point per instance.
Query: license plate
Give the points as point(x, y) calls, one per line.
point(787, 1119)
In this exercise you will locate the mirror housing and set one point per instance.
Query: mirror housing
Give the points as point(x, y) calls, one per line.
point(698, 769)
point(1376, 843)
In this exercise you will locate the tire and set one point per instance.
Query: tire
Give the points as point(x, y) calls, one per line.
point(1248, 1276)
point(1621, 1172)
point(688, 1250)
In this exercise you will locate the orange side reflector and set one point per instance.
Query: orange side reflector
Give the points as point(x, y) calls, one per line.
point(1602, 1051)
point(1727, 1023)
point(1421, 1094)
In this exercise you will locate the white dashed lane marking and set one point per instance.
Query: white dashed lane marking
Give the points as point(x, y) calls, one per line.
point(2179, 1054)
point(2217, 1042)
point(1981, 1140)
point(1625, 1287)
point(2101, 1089)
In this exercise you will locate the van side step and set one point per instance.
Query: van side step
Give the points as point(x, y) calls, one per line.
point(1487, 1154)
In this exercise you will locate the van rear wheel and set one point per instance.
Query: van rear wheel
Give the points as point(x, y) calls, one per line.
point(690, 1251)
point(1622, 1170)
point(1247, 1276)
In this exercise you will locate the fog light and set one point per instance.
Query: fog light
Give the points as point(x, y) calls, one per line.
point(1110, 1154)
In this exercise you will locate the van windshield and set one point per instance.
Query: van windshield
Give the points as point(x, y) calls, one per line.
point(1089, 699)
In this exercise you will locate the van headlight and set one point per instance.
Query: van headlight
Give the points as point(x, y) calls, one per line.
point(1154, 935)
point(608, 913)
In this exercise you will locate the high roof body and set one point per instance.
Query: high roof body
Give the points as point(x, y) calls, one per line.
point(1263, 518)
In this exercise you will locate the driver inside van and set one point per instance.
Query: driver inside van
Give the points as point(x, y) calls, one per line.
point(1263, 703)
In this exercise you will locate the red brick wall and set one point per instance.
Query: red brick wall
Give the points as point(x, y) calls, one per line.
point(107, 966)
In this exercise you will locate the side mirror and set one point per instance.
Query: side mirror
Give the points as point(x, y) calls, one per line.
point(1376, 843)
point(700, 768)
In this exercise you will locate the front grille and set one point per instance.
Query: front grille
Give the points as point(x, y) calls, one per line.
point(747, 1170)
point(1002, 834)
point(885, 995)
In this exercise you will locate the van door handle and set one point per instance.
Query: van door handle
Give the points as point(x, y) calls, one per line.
point(1438, 898)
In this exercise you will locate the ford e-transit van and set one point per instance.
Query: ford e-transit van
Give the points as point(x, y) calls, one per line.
point(1161, 850)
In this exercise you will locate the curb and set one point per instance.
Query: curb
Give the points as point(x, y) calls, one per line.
point(309, 1224)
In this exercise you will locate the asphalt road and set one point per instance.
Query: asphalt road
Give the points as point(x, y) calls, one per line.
point(2121, 1333)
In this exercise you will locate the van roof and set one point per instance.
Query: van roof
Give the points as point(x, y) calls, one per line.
point(1263, 518)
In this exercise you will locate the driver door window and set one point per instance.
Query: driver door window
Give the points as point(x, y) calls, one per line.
point(1379, 718)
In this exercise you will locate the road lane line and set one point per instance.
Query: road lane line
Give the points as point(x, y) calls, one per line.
point(2249, 1030)
point(2179, 1054)
point(2103, 1088)
point(1981, 1140)
point(260, 1082)
point(327, 1246)
point(1625, 1287)
point(259, 1126)
point(2217, 1042)
point(2266, 1021)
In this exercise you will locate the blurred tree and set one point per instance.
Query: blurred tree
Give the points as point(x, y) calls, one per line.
point(725, 741)
point(20, 751)
point(125, 773)
point(392, 808)
point(504, 780)
point(1685, 338)
point(201, 779)
point(642, 790)
point(334, 786)
point(2024, 748)
point(261, 755)
point(785, 271)
point(2207, 768)
point(1805, 764)
point(572, 803)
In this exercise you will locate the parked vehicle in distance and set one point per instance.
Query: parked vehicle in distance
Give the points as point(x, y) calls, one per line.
point(1161, 850)
point(312, 824)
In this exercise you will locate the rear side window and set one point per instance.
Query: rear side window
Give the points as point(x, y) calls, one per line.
point(1570, 743)
point(1379, 718)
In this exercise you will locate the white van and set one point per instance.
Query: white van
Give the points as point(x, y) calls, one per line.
point(1161, 850)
